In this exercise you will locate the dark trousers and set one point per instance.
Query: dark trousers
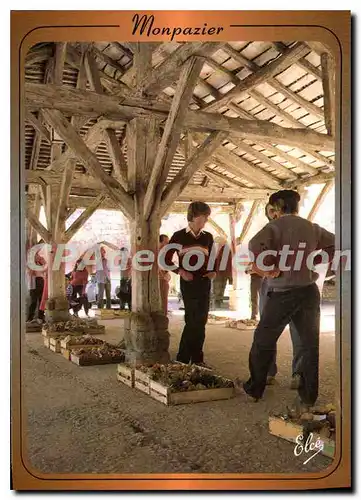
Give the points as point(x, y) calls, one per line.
point(256, 283)
point(196, 296)
point(125, 293)
point(295, 338)
point(101, 288)
point(302, 306)
point(78, 291)
point(35, 299)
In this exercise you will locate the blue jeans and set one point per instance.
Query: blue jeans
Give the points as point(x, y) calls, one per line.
point(296, 341)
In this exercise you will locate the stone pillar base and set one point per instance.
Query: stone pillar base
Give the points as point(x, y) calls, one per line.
point(57, 309)
point(147, 338)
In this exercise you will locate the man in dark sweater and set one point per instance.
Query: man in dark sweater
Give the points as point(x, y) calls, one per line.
point(194, 249)
point(292, 295)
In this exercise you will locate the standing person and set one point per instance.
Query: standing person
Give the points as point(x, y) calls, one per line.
point(195, 280)
point(103, 280)
point(292, 296)
point(74, 302)
point(124, 292)
point(91, 290)
point(79, 280)
point(223, 268)
point(36, 288)
point(164, 277)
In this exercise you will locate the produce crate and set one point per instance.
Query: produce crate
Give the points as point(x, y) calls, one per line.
point(241, 324)
point(141, 381)
point(81, 361)
point(121, 314)
point(125, 374)
point(66, 351)
point(164, 395)
point(54, 344)
point(46, 342)
point(289, 430)
point(67, 344)
point(104, 313)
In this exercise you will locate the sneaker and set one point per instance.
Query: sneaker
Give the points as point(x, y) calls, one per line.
point(295, 382)
point(271, 380)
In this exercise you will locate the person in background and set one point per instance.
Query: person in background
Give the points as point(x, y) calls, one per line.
point(79, 280)
point(195, 284)
point(124, 292)
point(91, 290)
point(36, 288)
point(74, 302)
point(103, 279)
point(223, 270)
point(164, 277)
point(292, 296)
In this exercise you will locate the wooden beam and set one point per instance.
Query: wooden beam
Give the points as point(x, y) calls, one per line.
point(142, 62)
point(38, 227)
point(296, 162)
point(172, 131)
point(319, 200)
point(217, 228)
point(286, 60)
point(60, 54)
point(312, 179)
point(107, 60)
point(248, 222)
point(167, 72)
point(57, 120)
point(115, 153)
point(308, 106)
point(38, 126)
point(222, 69)
point(328, 85)
point(263, 158)
point(83, 217)
point(246, 169)
point(92, 104)
point(183, 177)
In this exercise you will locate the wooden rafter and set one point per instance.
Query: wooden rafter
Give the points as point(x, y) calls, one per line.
point(217, 228)
point(167, 72)
point(38, 126)
point(38, 227)
point(73, 140)
point(172, 131)
point(83, 217)
point(248, 221)
point(262, 75)
point(183, 177)
point(320, 199)
point(328, 84)
point(60, 55)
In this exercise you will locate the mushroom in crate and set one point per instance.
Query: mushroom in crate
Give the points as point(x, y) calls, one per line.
point(98, 355)
point(76, 342)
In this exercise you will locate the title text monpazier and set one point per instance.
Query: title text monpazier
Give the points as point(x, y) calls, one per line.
point(145, 25)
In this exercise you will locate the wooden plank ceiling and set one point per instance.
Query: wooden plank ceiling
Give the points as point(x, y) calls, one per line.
point(276, 82)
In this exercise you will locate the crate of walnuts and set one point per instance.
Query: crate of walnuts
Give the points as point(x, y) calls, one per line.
point(178, 383)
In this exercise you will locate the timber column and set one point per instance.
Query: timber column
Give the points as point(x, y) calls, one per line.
point(146, 329)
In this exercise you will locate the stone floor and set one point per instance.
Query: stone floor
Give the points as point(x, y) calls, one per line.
point(82, 420)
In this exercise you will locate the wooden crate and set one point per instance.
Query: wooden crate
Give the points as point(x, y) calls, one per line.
point(46, 341)
point(141, 381)
point(121, 314)
point(104, 313)
point(66, 351)
point(289, 431)
point(78, 360)
point(125, 374)
point(164, 395)
point(33, 328)
point(66, 344)
point(47, 333)
point(54, 344)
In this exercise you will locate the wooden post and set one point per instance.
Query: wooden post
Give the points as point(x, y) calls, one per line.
point(319, 200)
point(146, 330)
